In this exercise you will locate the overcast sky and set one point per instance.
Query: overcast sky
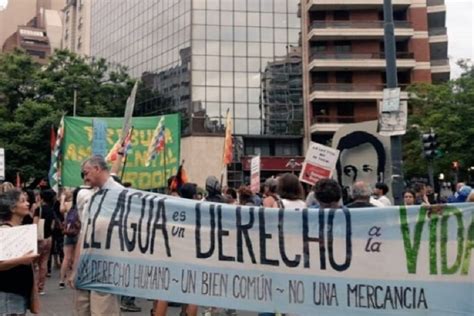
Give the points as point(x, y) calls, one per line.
point(460, 15)
point(459, 20)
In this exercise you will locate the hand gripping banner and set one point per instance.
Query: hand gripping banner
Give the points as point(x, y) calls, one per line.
point(390, 261)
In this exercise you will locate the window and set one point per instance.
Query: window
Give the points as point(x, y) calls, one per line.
point(341, 15)
point(343, 46)
point(344, 77)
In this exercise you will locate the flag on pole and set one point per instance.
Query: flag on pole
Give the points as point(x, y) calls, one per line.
point(157, 143)
point(127, 146)
point(227, 156)
point(180, 178)
point(55, 168)
point(52, 139)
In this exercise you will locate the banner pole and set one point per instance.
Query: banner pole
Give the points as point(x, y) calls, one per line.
point(164, 156)
point(125, 154)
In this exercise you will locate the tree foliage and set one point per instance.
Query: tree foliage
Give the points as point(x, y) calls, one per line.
point(448, 109)
point(33, 98)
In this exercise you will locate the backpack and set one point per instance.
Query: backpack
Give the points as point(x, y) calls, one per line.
point(72, 223)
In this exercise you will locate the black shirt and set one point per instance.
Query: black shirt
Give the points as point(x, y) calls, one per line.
point(48, 216)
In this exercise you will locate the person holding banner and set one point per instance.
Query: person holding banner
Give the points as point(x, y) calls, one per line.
point(95, 173)
point(17, 287)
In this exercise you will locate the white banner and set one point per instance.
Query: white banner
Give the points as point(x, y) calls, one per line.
point(17, 241)
point(388, 261)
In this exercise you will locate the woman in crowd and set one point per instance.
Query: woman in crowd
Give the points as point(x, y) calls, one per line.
point(246, 196)
point(45, 212)
point(17, 286)
point(72, 226)
point(6, 186)
point(270, 193)
point(291, 191)
point(409, 197)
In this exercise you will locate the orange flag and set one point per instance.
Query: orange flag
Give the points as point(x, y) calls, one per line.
point(227, 157)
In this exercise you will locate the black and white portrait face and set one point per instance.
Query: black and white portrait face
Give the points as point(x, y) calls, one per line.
point(359, 164)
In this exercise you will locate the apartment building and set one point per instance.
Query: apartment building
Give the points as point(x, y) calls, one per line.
point(76, 21)
point(344, 57)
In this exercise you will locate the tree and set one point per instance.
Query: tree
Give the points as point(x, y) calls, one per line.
point(32, 99)
point(448, 108)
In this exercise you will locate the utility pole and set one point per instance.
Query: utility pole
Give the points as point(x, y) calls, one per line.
point(392, 82)
point(74, 102)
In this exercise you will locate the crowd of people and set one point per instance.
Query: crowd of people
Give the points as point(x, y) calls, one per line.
point(59, 217)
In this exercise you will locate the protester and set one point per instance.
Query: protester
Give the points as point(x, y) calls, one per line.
point(18, 292)
point(230, 196)
point(409, 197)
point(72, 227)
point(290, 191)
point(30, 195)
point(380, 193)
point(213, 188)
point(44, 217)
point(271, 197)
point(246, 197)
point(160, 308)
point(461, 193)
point(328, 193)
point(6, 186)
point(57, 237)
point(360, 195)
point(420, 194)
point(96, 174)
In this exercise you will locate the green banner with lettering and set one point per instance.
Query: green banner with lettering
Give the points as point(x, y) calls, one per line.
point(80, 135)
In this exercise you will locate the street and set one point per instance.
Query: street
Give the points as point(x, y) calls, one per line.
point(57, 302)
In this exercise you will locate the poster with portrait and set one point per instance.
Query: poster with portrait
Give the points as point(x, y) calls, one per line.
point(393, 123)
point(364, 155)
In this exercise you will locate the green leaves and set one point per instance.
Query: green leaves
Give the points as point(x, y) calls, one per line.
point(449, 109)
point(32, 99)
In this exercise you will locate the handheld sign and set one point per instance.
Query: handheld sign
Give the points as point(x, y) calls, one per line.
point(255, 174)
point(17, 241)
point(319, 163)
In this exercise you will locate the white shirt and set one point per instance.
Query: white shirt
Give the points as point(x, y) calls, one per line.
point(384, 200)
point(293, 204)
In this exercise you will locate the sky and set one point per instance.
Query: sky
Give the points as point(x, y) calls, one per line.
point(459, 20)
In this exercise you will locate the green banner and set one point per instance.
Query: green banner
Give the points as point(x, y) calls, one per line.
point(77, 146)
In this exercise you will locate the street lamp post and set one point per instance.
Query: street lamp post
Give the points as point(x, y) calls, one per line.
point(392, 82)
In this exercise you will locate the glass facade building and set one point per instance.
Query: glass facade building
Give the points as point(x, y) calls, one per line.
point(209, 56)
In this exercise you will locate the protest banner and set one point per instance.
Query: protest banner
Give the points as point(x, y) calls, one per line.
point(391, 261)
point(18, 241)
point(78, 136)
point(319, 163)
point(255, 174)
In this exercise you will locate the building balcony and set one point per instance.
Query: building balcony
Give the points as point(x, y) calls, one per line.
point(331, 123)
point(321, 61)
point(349, 91)
point(361, 30)
point(315, 5)
point(440, 70)
point(438, 35)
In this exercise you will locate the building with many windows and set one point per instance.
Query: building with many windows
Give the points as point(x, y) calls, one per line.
point(344, 60)
point(76, 32)
point(207, 57)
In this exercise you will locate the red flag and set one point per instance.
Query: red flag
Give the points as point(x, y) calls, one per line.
point(227, 156)
point(180, 179)
point(52, 138)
